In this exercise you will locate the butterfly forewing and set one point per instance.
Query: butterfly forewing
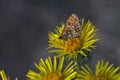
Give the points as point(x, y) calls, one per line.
point(72, 28)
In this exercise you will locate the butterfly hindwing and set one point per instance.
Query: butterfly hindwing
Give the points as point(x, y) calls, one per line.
point(72, 28)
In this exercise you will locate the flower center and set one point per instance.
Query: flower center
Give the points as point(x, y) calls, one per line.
point(53, 76)
point(72, 45)
point(100, 77)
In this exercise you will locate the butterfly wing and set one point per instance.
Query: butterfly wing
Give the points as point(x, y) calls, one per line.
point(72, 28)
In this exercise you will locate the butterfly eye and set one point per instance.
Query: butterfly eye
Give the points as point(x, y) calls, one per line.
point(60, 37)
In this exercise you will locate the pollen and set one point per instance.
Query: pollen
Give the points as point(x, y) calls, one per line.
point(100, 77)
point(53, 76)
point(72, 45)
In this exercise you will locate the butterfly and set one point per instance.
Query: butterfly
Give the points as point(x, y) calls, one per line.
point(72, 28)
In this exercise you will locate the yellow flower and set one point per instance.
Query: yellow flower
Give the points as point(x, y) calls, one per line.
point(3, 75)
point(103, 71)
point(72, 47)
point(50, 70)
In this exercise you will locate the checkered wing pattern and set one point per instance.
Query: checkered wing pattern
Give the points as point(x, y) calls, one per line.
point(72, 28)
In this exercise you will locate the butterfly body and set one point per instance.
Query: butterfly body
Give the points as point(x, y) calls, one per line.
point(72, 28)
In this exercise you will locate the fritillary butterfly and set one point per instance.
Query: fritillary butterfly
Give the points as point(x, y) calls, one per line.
point(72, 28)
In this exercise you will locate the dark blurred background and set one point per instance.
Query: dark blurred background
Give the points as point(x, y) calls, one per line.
point(25, 24)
